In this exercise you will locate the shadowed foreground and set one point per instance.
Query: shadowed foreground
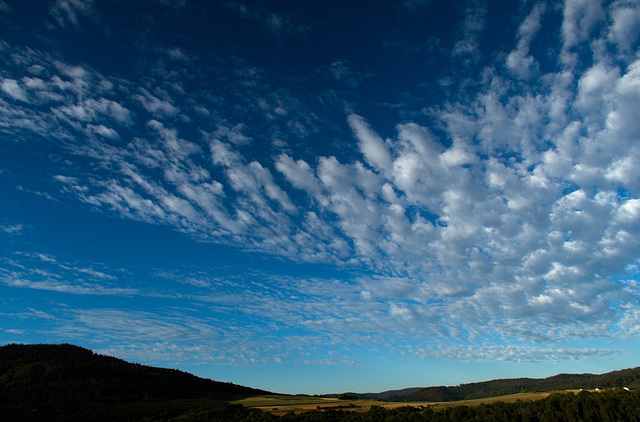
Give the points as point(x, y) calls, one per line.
point(69, 383)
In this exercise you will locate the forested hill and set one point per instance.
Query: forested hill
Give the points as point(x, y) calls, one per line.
point(65, 379)
point(617, 379)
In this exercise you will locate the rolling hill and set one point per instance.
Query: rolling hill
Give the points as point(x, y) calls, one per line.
point(66, 382)
point(501, 387)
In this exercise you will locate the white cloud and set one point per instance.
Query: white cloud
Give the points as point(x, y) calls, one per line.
point(624, 171)
point(625, 23)
point(13, 274)
point(5, 8)
point(342, 72)
point(234, 134)
point(595, 86)
point(104, 131)
point(630, 322)
point(12, 229)
point(374, 149)
point(298, 173)
point(13, 89)
point(178, 336)
point(277, 23)
point(579, 19)
point(509, 353)
point(158, 107)
point(177, 149)
point(519, 61)
point(468, 45)
point(70, 11)
point(624, 119)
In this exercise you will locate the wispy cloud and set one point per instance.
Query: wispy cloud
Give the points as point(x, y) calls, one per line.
point(5, 8)
point(69, 12)
point(519, 61)
point(181, 337)
point(13, 229)
point(277, 23)
point(510, 353)
point(467, 48)
point(43, 272)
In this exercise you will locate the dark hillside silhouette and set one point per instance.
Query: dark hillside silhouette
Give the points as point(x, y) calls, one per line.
point(66, 382)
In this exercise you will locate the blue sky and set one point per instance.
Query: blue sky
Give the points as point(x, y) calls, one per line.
point(310, 198)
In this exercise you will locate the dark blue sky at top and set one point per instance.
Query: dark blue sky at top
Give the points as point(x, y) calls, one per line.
point(395, 49)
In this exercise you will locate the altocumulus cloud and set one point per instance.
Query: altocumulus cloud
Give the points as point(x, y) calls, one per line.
point(513, 216)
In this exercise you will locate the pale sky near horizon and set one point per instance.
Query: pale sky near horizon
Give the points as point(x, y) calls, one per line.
point(318, 197)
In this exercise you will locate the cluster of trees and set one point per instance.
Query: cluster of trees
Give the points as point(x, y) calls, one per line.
point(348, 396)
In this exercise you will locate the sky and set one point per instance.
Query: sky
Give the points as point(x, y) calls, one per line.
point(320, 197)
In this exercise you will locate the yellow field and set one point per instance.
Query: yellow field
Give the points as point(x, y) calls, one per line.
point(280, 405)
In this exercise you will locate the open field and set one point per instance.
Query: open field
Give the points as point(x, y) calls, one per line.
point(280, 405)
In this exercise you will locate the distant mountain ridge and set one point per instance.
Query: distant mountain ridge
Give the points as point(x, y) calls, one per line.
point(500, 387)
